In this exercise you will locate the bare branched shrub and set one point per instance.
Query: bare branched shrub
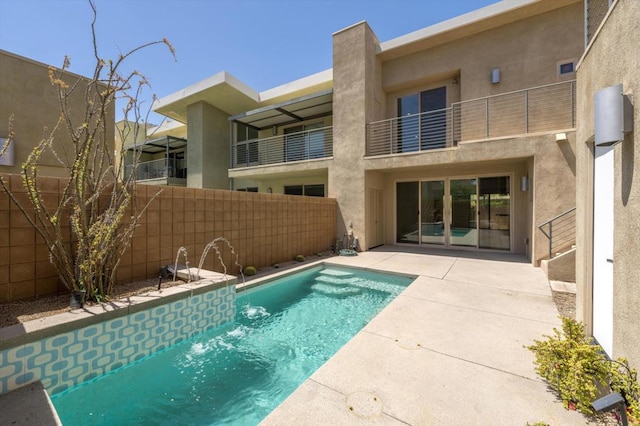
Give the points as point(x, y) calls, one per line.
point(92, 224)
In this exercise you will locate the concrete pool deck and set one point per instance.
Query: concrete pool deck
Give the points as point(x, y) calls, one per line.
point(448, 350)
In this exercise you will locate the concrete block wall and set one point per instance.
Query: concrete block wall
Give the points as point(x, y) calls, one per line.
point(263, 229)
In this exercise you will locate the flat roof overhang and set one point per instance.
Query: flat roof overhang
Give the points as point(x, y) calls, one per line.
point(483, 19)
point(308, 107)
point(221, 90)
point(155, 146)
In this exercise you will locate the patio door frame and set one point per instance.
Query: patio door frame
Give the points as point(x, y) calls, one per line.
point(447, 211)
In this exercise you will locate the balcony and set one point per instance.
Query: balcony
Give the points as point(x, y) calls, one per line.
point(539, 109)
point(165, 171)
point(293, 147)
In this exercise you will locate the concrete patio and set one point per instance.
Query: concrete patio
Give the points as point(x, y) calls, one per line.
point(448, 350)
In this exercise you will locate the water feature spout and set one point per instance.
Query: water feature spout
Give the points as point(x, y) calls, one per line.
point(214, 244)
point(182, 250)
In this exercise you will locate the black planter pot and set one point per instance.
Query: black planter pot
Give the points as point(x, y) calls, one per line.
point(77, 299)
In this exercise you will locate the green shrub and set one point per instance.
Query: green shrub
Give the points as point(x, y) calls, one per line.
point(576, 368)
point(250, 270)
point(299, 258)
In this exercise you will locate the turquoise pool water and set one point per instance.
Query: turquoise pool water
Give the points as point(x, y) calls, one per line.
point(238, 373)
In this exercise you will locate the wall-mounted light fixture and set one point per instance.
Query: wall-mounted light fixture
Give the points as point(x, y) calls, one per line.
point(8, 158)
point(454, 81)
point(524, 183)
point(495, 76)
point(613, 115)
point(561, 137)
point(274, 129)
point(269, 190)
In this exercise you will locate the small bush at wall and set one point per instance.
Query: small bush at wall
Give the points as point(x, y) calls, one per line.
point(578, 369)
point(299, 258)
point(250, 270)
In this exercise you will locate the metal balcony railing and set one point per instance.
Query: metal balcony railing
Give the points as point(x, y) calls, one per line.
point(159, 169)
point(539, 109)
point(306, 145)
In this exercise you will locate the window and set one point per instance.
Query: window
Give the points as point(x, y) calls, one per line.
point(304, 142)
point(314, 190)
point(566, 67)
point(246, 145)
point(307, 190)
point(293, 190)
point(423, 120)
point(250, 189)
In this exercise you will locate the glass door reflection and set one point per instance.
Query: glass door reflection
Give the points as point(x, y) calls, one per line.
point(464, 202)
point(432, 212)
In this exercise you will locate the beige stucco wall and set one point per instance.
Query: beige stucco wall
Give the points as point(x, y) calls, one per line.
point(549, 165)
point(208, 147)
point(27, 94)
point(527, 53)
point(612, 58)
point(357, 100)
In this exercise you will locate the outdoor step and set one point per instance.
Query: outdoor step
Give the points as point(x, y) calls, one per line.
point(333, 291)
point(334, 280)
point(336, 273)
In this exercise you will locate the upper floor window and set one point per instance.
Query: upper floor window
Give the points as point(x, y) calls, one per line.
point(245, 133)
point(246, 144)
point(566, 67)
point(423, 120)
point(304, 142)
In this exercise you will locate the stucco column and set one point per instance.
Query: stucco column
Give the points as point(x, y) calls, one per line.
point(355, 68)
point(208, 147)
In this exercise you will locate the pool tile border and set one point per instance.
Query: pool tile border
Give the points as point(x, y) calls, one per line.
point(64, 350)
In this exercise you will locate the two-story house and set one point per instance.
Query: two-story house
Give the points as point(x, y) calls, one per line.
point(459, 135)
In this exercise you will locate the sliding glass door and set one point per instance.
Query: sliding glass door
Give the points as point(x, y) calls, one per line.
point(432, 212)
point(407, 215)
point(464, 206)
point(494, 213)
point(469, 212)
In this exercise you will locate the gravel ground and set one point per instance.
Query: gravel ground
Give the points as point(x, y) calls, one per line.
point(566, 304)
point(30, 309)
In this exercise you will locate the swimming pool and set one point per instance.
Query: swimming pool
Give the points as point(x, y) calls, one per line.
point(238, 373)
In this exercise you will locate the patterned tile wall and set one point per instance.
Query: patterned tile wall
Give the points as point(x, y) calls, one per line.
point(67, 359)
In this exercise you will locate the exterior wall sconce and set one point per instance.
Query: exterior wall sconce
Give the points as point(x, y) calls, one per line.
point(561, 137)
point(495, 76)
point(8, 158)
point(524, 183)
point(269, 190)
point(274, 129)
point(454, 81)
point(613, 115)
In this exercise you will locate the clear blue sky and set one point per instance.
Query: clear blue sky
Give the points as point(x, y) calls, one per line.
point(264, 43)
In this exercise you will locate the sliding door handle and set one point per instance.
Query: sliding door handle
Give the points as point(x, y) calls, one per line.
point(609, 260)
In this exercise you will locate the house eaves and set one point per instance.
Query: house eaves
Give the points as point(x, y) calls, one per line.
point(469, 24)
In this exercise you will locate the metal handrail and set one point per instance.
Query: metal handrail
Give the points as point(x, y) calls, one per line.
point(513, 92)
point(565, 227)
